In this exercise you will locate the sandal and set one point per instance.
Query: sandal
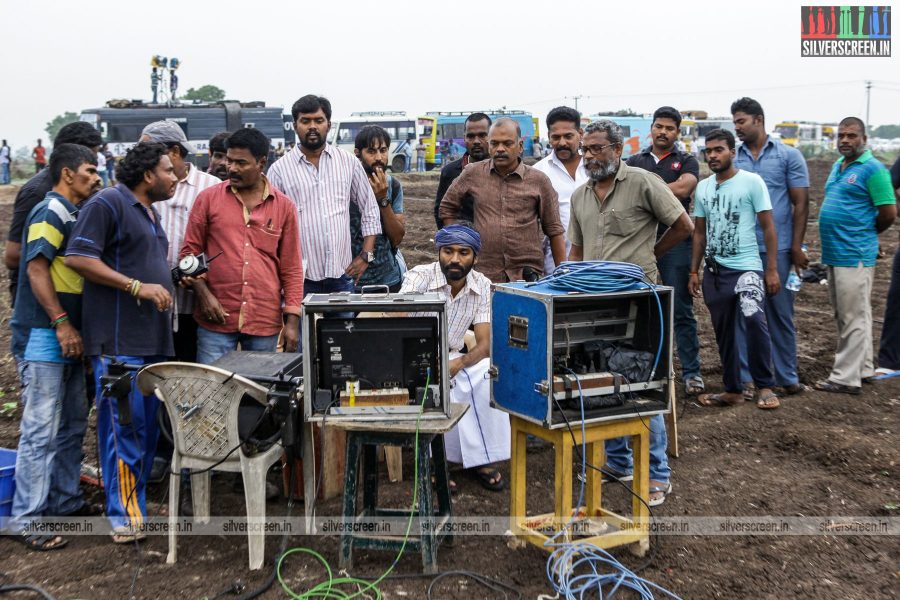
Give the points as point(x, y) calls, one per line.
point(87, 509)
point(610, 474)
point(827, 385)
point(490, 479)
point(39, 542)
point(658, 487)
point(794, 389)
point(694, 385)
point(710, 400)
point(749, 391)
point(767, 400)
point(124, 534)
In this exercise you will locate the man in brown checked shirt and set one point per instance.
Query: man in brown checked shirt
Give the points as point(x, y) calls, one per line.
point(515, 206)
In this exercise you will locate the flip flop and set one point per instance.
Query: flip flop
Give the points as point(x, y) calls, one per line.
point(767, 400)
point(126, 535)
point(40, 543)
point(664, 488)
point(713, 400)
point(490, 479)
point(693, 385)
point(749, 391)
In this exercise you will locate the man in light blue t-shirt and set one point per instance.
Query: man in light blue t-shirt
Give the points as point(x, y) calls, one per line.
point(727, 207)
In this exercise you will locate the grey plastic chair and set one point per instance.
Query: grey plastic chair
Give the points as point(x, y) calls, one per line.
point(202, 403)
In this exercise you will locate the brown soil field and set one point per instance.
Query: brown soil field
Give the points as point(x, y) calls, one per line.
point(819, 455)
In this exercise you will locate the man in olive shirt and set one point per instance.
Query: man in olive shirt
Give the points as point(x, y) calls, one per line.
point(615, 216)
point(515, 206)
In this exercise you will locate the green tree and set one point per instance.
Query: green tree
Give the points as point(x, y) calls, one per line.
point(57, 123)
point(886, 131)
point(205, 93)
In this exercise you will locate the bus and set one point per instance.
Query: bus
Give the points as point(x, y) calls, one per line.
point(635, 129)
point(447, 130)
point(800, 133)
point(401, 128)
point(704, 126)
point(121, 122)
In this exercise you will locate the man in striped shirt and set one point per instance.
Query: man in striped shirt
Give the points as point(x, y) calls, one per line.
point(173, 215)
point(48, 317)
point(323, 180)
point(482, 436)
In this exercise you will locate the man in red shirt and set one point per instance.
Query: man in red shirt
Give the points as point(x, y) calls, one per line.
point(39, 153)
point(259, 275)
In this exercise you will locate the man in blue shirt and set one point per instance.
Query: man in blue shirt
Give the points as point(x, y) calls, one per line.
point(372, 145)
point(120, 248)
point(48, 319)
point(727, 207)
point(859, 204)
point(784, 170)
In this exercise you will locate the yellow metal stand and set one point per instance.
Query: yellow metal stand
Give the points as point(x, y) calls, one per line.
point(594, 524)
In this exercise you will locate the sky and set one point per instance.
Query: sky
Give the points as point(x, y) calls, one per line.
point(423, 56)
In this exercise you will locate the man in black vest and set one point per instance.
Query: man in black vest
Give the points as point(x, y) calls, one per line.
point(476, 132)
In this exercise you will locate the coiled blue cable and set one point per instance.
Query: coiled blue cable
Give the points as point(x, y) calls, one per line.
point(602, 277)
point(568, 557)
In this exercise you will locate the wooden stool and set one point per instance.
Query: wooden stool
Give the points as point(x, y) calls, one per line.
point(363, 438)
point(614, 530)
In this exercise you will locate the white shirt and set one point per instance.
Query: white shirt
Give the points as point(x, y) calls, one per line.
point(471, 306)
point(323, 195)
point(4, 154)
point(564, 185)
point(101, 162)
point(173, 215)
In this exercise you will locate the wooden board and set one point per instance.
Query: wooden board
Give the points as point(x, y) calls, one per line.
point(392, 397)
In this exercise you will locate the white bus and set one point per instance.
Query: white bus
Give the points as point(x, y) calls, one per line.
point(396, 123)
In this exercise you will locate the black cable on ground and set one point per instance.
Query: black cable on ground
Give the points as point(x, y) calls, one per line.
point(23, 587)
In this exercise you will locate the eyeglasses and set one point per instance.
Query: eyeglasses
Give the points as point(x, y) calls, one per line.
point(596, 148)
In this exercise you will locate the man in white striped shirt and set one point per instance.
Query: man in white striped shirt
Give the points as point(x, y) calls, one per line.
point(482, 436)
point(173, 215)
point(323, 180)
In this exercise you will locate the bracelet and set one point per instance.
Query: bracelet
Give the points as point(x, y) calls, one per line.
point(53, 324)
point(59, 316)
point(694, 273)
point(133, 287)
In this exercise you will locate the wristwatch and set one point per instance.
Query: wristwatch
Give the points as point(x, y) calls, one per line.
point(383, 202)
point(367, 256)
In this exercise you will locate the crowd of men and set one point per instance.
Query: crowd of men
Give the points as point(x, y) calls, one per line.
point(91, 268)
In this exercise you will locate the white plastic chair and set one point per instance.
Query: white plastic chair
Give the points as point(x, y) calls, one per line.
point(202, 403)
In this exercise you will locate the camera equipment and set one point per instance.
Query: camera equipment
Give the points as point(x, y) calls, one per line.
point(552, 349)
point(117, 384)
point(192, 266)
point(281, 372)
point(375, 366)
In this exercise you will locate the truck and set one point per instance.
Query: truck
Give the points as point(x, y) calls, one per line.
point(120, 122)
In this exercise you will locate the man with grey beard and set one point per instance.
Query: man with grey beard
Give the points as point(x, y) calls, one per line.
point(615, 216)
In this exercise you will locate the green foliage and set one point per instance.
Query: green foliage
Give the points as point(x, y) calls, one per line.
point(886, 131)
point(205, 93)
point(57, 123)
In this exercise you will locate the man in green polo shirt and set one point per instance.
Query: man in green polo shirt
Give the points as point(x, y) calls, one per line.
point(859, 204)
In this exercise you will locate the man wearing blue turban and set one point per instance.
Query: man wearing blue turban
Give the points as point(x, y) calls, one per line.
point(482, 436)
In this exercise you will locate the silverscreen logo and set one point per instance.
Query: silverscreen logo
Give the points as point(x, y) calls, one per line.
point(845, 31)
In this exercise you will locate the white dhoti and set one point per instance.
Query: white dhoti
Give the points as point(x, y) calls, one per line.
point(482, 436)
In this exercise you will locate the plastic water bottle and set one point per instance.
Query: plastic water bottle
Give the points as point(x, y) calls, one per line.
point(794, 282)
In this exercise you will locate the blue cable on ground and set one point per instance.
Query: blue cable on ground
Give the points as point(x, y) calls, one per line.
point(568, 558)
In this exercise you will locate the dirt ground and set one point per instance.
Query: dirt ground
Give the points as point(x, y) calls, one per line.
point(819, 455)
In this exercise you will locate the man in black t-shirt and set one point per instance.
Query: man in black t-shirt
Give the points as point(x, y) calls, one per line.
point(680, 171)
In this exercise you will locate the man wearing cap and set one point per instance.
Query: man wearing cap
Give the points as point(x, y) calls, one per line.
point(482, 436)
point(173, 215)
